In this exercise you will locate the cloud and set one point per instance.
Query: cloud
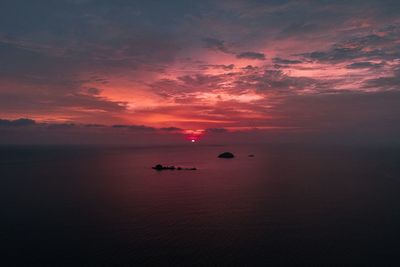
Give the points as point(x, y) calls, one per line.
point(381, 45)
point(218, 66)
point(120, 126)
point(272, 80)
point(278, 60)
point(251, 55)
point(60, 126)
point(171, 129)
point(219, 45)
point(216, 130)
point(58, 103)
point(385, 83)
point(17, 122)
point(134, 127)
point(71, 125)
point(94, 125)
point(75, 133)
point(364, 65)
point(256, 79)
point(141, 128)
point(94, 91)
point(185, 85)
point(216, 44)
point(250, 68)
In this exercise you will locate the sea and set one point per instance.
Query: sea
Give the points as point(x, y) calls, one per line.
point(289, 205)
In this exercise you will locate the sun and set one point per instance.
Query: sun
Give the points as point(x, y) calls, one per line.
point(193, 136)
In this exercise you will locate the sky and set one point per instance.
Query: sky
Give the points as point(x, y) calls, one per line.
point(156, 71)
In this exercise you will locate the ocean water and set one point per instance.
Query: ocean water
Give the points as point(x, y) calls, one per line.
point(288, 205)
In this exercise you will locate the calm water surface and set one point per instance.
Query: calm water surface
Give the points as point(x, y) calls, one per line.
point(289, 205)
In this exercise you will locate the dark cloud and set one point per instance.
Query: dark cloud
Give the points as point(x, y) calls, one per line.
point(200, 79)
point(386, 83)
point(17, 123)
point(218, 66)
point(275, 81)
point(216, 130)
point(171, 129)
point(378, 46)
point(94, 125)
point(216, 44)
point(278, 60)
point(120, 126)
point(71, 133)
point(57, 103)
point(94, 91)
point(70, 125)
point(337, 54)
point(250, 68)
point(134, 127)
point(61, 126)
point(141, 128)
point(364, 65)
point(251, 55)
point(219, 45)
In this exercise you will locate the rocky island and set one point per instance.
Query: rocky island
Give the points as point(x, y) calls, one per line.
point(226, 155)
point(160, 167)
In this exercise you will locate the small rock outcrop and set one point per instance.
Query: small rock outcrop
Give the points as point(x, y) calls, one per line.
point(160, 167)
point(226, 155)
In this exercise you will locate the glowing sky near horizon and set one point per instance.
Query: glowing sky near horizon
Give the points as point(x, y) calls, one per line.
point(201, 65)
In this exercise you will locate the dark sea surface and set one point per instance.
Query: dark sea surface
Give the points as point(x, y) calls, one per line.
point(289, 205)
